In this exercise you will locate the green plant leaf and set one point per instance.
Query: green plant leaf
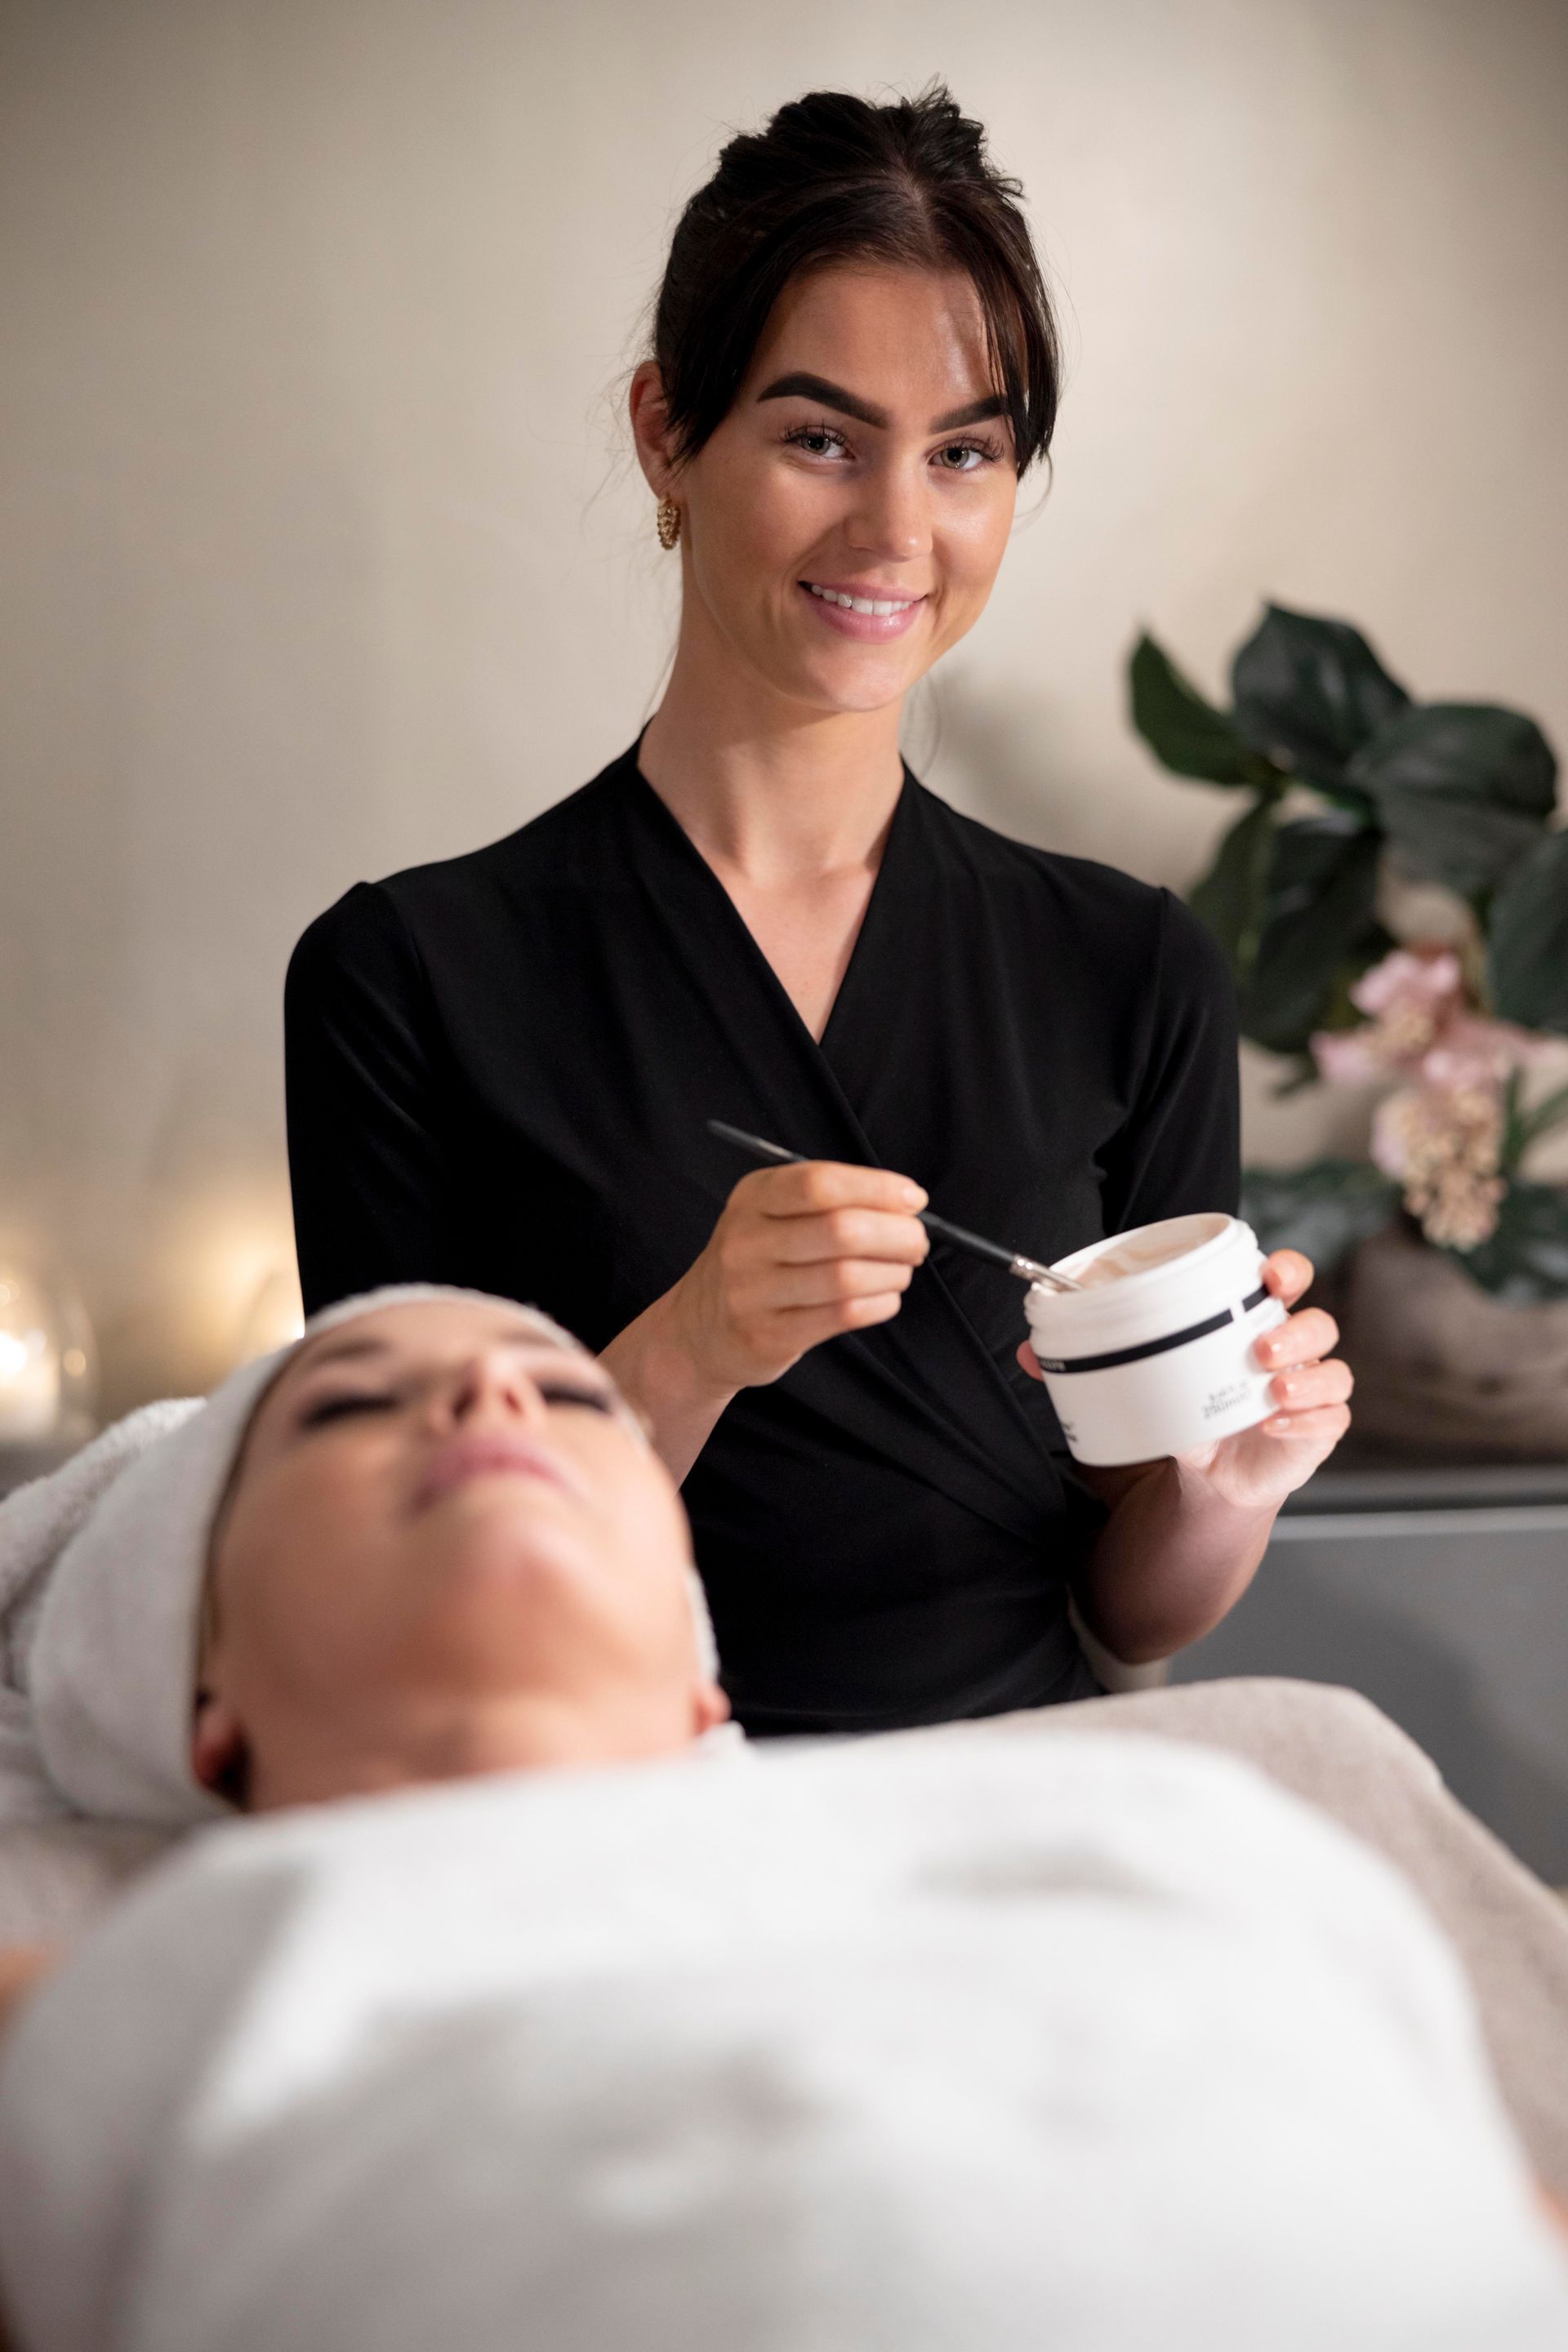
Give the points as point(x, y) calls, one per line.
point(1515, 1134)
point(1528, 950)
point(1230, 898)
point(1183, 731)
point(1318, 929)
point(1308, 692)
point(1525, 1263)
point(1462, 790)
point(1465, 844)
point(1543, 1117)
point(1323, 1210)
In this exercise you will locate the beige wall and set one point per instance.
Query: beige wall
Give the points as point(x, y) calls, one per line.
point(317, 555)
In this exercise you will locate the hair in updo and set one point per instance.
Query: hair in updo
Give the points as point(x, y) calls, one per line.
point(833, 179)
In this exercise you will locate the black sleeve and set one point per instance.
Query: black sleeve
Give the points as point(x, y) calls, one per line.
point(370, 1131)
point(1180, 1150)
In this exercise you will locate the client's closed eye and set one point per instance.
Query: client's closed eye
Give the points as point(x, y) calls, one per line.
point(328, 1409)
point(332, 1408)
point(572, 1392)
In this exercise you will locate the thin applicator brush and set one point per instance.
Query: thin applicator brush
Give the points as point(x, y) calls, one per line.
point(1027, 1269)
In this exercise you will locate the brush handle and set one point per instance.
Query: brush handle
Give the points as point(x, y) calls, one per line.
point(1027, 1269)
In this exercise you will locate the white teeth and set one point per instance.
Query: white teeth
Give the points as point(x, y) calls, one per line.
point(862, 603)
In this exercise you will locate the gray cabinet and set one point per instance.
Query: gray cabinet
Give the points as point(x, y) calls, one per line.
point(1442, 1594)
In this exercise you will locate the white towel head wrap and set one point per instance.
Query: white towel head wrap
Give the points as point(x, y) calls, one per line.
point(102, 1567)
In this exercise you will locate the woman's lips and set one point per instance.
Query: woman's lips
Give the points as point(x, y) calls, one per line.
point(480, 1456)
point(869, 628)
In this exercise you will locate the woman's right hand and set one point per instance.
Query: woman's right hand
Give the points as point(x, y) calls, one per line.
point(800, 1254)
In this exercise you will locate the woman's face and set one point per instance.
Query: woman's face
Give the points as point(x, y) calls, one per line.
point(445, 1551)
point(864, 454)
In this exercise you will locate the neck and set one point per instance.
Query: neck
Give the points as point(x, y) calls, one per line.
point(767, 787)
point(532, 1733)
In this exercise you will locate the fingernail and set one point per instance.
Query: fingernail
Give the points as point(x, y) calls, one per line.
point(913, 1196)
point(1278, 1425)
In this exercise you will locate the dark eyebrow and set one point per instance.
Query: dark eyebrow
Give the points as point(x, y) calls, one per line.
point(996, 404)
point(833, 396)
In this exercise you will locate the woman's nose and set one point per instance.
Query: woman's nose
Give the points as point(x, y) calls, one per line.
point(892, 517)
point(493, 1379)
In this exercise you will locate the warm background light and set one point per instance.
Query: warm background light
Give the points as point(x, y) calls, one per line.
point(47, 1362)
point(318, 556)
point(274, 1317)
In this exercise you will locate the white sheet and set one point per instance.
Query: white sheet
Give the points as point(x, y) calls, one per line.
point(945, 2043)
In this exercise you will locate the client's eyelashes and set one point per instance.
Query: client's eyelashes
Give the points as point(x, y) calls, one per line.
point(560, 1393)
point(329, 1408)
point(332, 1408)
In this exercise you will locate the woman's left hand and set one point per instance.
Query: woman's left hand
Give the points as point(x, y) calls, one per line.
point(1256, 1468)
point(1259, 1467)
point(1185, 1536)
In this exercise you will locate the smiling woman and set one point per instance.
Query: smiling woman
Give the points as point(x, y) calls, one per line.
point(828, 514)
point(500, 1068)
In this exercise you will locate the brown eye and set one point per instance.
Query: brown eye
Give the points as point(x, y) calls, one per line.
point(801, 436)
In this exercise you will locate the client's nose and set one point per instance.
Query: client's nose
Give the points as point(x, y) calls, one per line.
point(492, 1381)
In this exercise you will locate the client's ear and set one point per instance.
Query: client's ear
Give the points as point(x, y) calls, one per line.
point(220, 1755)
point(709, 1708)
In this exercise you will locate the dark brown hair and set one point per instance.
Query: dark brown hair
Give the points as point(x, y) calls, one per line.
point(835, 179)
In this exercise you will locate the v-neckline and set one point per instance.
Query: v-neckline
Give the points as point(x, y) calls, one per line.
point(881, 1381)
point(897, 828)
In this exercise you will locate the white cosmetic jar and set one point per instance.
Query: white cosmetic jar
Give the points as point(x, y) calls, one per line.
point(1157, 1358)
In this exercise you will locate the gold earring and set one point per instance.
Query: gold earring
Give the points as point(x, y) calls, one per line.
point(667, 522)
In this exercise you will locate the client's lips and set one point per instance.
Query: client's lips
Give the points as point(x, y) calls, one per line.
point(478, 1456)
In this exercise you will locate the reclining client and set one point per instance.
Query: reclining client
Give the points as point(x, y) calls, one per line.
point(506, 1995)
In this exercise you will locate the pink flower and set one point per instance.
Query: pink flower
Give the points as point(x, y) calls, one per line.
point(1469, 1051)
point(1424, 983)
point(1349, 1058)
point(1420, 1026)
point(1411, 1000)
point(1440, 1133)
point(1390, 1146)
point(1442, 1143)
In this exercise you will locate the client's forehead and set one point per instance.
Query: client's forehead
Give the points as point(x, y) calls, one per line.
point(422, 1326)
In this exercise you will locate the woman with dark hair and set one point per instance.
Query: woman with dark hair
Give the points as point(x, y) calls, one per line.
point(500, 1066)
